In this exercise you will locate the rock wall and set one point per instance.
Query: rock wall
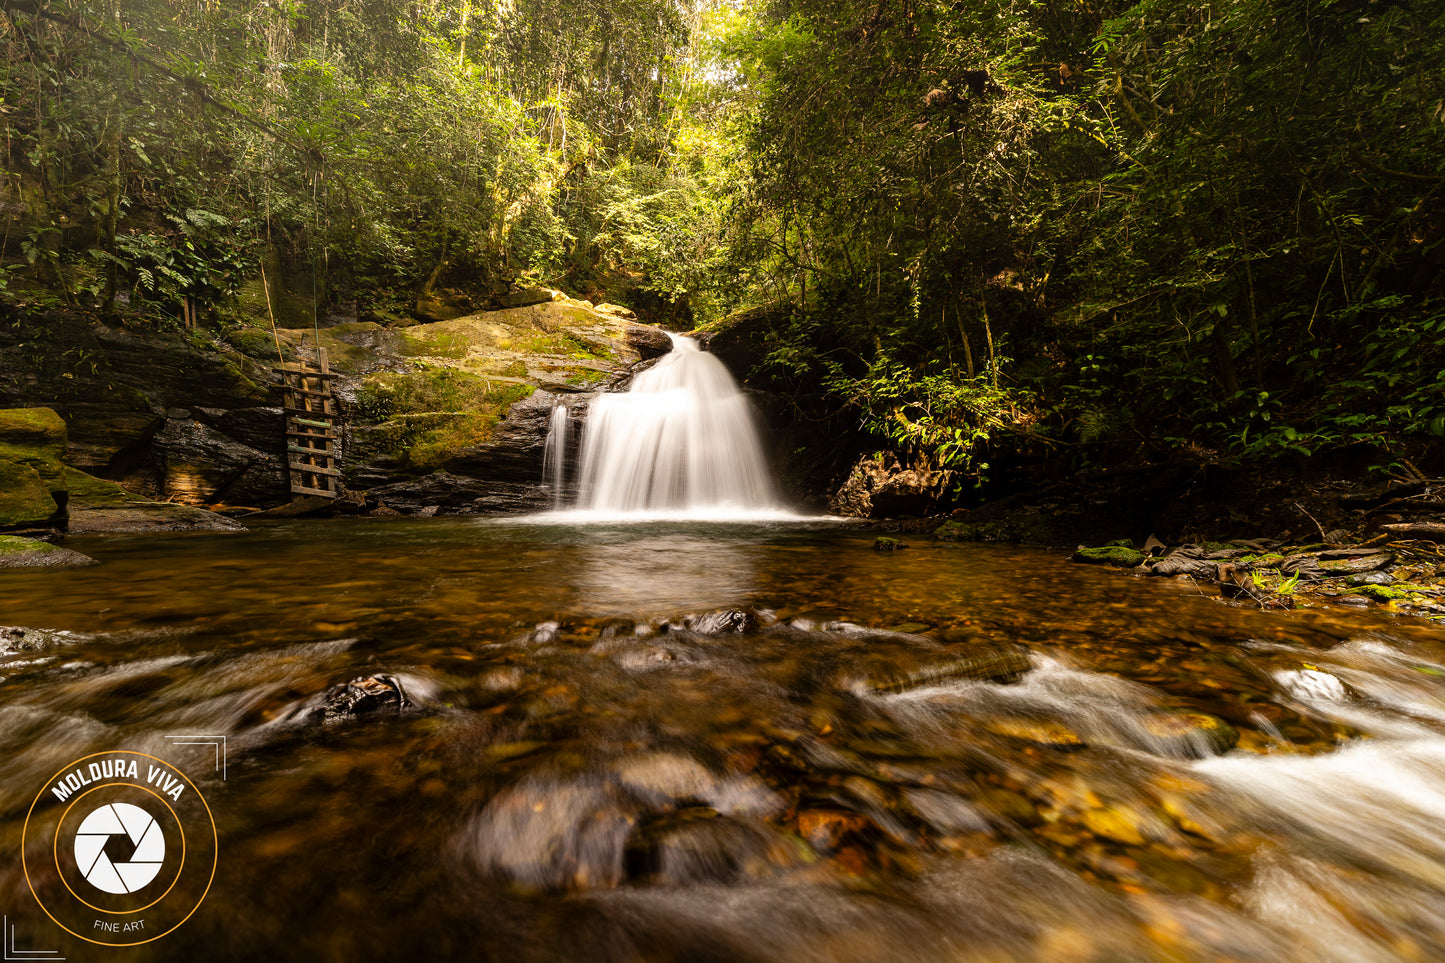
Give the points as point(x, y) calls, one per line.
point(448, 417)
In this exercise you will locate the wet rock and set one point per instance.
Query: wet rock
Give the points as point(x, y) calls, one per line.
point(1353, 562)
point(886, 489)
point(1116, 555)
point(995, 666)
point(16, 552)
point(1304, 564)
point(1183, 561)
point(1040, 732)
point(827, 829)
point(100, 506)
point(886, 544)
point(547, 834)
point(722, 622)
point(1312, 684)
point(201, 465)
point(16, 638)
point(699, 846)
point(1193, 735)
point(647, 341)
point(1371, 578)
point(363, 696)
point(525, 297)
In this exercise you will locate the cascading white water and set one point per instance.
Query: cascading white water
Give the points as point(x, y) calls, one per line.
point(554, 455)
point(682, 439)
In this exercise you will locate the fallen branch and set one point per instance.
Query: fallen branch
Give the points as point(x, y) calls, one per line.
point(1429, 531)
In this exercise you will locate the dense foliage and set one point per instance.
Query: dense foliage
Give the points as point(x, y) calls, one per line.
point(167, 149)
point(1092, 229)
point(1213, 225)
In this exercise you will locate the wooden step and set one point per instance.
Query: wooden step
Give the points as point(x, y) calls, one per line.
point(304, 490)
point(327, 452)
point(307, 411)
point(313, 469)
point(313, 424)
point(307, 373)
point(308, 392)
point(318, 435)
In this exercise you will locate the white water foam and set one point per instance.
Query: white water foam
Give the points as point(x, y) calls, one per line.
point(680, 442)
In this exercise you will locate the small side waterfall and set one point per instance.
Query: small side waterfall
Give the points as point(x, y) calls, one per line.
point(554, 455)
point(680, 440)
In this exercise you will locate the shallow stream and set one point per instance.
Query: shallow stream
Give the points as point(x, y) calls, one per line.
point(735, 742)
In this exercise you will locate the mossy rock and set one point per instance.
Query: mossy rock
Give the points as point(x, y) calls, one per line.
point(25, 498)
point(88, 490)
point(423, 418)
point(885, 544)
point(17, 552)
point(1386, 593)
point(35, 437)
point(1115, 555)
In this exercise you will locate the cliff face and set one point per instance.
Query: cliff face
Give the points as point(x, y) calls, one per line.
point(442, 417)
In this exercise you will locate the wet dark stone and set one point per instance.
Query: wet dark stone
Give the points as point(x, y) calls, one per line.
point(362, 696)
point(1372, 578)
point(999, 666)
point(722, 622)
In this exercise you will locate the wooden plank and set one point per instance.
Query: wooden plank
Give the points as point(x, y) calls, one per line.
point(303, 490)
point(313, 469)
point(314, 435)
point(308, 392)
point(326, 451)
point(313, 424)
point(308, 373)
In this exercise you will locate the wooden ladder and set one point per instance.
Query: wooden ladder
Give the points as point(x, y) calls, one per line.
point(311, 436)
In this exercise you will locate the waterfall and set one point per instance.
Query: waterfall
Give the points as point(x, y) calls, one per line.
point(554, 455)
point(682, 439)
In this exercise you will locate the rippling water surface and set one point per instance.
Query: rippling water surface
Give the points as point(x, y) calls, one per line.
point(712, 741)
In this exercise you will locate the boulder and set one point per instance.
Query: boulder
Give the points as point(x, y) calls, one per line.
point(882, 490)
point(522, 297)
point(32, 477)
point(648, 341)
point(617, 311)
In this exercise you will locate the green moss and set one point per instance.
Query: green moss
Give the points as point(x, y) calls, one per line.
point(885, 544)
point(565, 344)
point(437, 345)
point(425, 417)
point(87, 489)
point(25, 497)
point(32, 426)
point(1110, 555)
point(15, 545)
point(1388, 593)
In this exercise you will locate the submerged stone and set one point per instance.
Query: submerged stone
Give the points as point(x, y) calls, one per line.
point(362, 696)
point(886, 544)
point(996, 666)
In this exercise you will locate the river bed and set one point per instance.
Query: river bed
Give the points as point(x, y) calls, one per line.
point(697, 741)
